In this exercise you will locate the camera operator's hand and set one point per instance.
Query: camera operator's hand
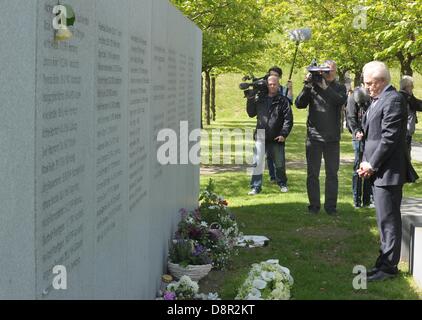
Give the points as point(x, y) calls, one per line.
point(308, 80)
point(250, 94)
point(280, 139)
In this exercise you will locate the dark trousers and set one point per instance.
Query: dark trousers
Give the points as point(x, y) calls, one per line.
point(362, 189)
point(315, 150)
point(387, 206)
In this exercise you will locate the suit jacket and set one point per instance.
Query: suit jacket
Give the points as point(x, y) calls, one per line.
point(385, 127)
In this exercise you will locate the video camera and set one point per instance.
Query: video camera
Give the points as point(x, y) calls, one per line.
point(317, 71)
point(259, 86)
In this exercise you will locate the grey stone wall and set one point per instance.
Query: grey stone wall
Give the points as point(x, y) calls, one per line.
point(82, 186)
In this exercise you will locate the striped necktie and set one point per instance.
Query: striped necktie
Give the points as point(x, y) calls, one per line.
point(371, 107)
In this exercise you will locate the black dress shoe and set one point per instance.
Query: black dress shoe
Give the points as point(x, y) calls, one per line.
point(381, 276)
point(371, 272)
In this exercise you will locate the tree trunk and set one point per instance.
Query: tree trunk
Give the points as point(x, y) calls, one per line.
point(207, 96)
point(214, 113)
point(405, 64)
point(202, 99)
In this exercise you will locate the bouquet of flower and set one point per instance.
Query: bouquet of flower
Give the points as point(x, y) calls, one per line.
point(184, 289)
point(266, 281)
point(191, 226)
point(212, 225)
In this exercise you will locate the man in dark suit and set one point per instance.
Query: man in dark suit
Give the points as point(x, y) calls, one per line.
point(385, 163)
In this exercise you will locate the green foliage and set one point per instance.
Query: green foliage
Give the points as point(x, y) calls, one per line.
point(247, 35)
point(233, 31)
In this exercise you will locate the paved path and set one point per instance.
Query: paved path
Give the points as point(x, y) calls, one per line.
point(417, 152)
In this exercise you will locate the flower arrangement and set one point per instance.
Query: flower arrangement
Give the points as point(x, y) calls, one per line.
point(266, 281)
point(211, 226)
point(187, 252)
point(186, 289)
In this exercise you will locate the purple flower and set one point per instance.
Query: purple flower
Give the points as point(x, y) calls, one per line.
point(199, 249)
point(195, 233)
point(169, 295)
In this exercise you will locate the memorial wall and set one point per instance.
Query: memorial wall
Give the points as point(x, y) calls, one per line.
point(82, 186)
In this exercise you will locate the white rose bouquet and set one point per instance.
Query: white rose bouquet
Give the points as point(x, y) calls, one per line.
point(266, 281)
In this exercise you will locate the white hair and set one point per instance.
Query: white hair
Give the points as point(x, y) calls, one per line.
point(378, 70)
point(406, 82)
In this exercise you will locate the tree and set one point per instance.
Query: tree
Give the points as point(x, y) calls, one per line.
point(233, 32)
point(398, 27)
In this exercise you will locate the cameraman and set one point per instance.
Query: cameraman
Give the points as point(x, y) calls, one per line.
point(275, 116)
point(357, 104)
point(325, 98)
point(288, 93)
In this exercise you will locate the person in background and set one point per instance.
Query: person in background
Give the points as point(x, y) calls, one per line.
point(413, 105)
point(288, 93)
point(275, 117)
point(357, 104)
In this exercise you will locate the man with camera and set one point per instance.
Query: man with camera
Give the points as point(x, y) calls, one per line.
point(275, 117)
point(325, 98)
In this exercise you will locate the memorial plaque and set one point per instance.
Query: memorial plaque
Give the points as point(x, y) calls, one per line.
point(63, 118)
point(110, 145)
point(139, 77)
point(160, 192)
point(80, 119)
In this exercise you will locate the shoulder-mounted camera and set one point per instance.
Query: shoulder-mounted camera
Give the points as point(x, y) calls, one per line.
point(256, 86)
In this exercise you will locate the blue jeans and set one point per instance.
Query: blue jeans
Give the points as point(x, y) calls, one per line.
point(362, 192)
point(275, 151)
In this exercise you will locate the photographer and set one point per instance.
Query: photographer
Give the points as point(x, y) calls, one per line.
point(275, 116)
point(325, 98)
point(357, 104)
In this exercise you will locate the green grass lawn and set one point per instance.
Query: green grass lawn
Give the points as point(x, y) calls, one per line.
point(321, 251)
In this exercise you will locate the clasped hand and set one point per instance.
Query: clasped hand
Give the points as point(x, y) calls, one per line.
point(365, 170)
point(280, 139)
